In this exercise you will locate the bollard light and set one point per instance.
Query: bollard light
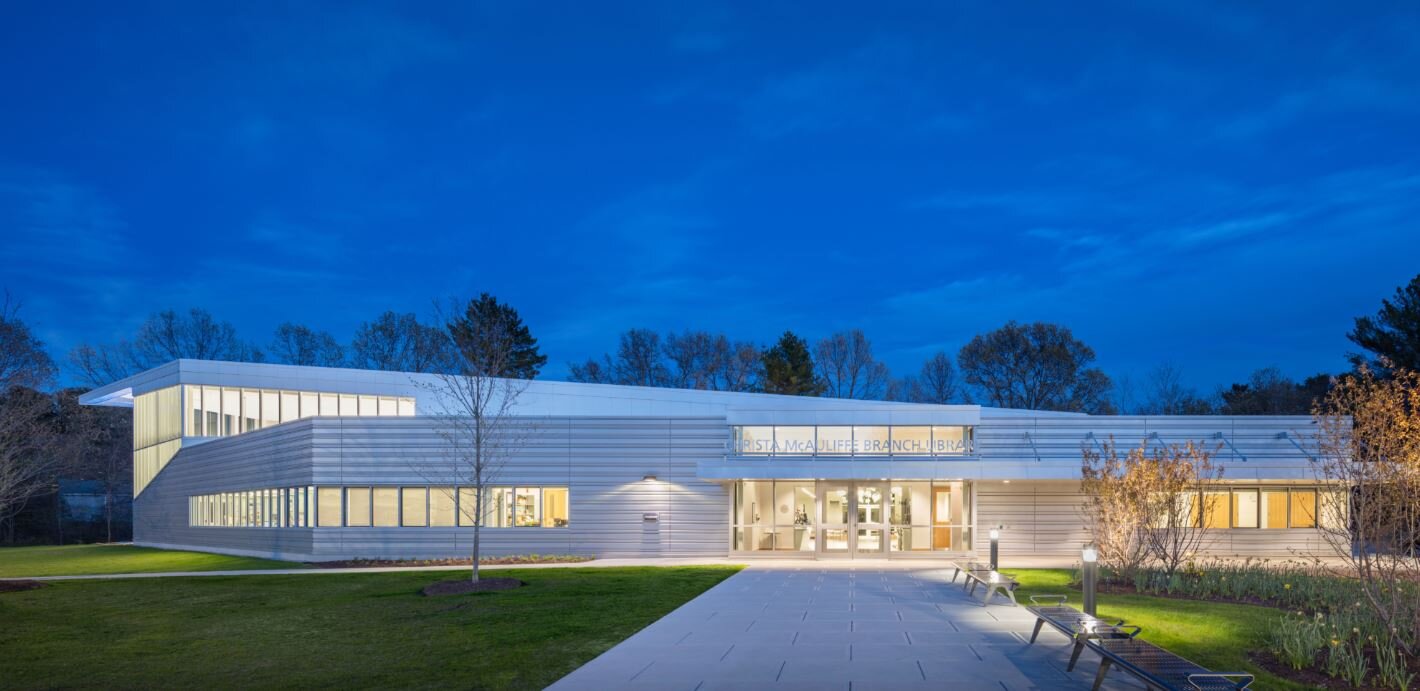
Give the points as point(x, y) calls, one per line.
point(1090, 557)
point(995, 538)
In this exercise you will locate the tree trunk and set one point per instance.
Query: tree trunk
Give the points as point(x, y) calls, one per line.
point(477, 526)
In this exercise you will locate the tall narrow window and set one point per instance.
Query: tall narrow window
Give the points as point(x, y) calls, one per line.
point(251, 410)
point(386, 506)
point(357, 507)
point(329, 405)
point(414, 511)
point(290, 406)
point(527, 506)
point(310, 405)
point(270, 408)
point(441, 506)
point(1303, 508)
point(328, 507)
point(1215, 510)
point(1274, 508)
point(1244, 508)
point(468, 506)
point(554, 507)
point(194, 410)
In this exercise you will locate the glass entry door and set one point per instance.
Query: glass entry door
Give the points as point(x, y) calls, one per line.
point(837, 502)
point(870, 530)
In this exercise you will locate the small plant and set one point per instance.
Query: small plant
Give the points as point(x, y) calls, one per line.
point(1335, 654)
point(1392, 667)
point(1354, 664)
point(1297, 639)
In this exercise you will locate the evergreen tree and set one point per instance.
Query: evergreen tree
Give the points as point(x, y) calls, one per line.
point(1392, 336)
point(487, 326)
point(789, 368)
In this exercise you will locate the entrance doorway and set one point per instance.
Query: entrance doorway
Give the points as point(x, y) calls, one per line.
point(837, 519)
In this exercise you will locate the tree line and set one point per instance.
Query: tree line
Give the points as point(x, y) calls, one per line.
point(45, 434)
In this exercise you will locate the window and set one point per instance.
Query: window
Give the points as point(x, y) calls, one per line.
point(554, 507)
point(330, 405)
point(231, 411)
point(947, 440)
point(194, 411)
point(251, 410)
point(1244, 508)
point(290, 406)
point(911, 441)
point(367, 406)
point(794, 441)
point(414, 511)
point(1215, 510)
point(388, 407)
point(309, 404)
point(1274, 508)
point(357, 506)
point(386, 502)
point(467, 506)
point(527, 506)
point(844, 440)
point(870, 441)
point(328, 506)
point(1303, 508)
point(270, 408)
point(348, 408)
point(835, 440)
point(441, 506)
point(500, 508)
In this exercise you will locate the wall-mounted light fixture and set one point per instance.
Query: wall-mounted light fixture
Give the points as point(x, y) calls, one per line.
point(648, 478)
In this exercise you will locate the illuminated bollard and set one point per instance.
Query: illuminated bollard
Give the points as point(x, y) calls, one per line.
point(1091, 577)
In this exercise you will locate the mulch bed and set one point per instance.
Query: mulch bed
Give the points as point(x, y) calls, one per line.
point(463, 586)
point(486, 561)
point(18, 586)
point(1311, 676)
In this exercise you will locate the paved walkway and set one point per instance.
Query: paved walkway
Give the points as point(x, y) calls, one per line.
point(838, 626)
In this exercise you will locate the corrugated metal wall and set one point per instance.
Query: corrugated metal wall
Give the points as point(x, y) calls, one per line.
point(1042, 518)
point(602, 460)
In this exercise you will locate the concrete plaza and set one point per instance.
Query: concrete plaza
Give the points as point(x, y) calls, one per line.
point(850, 625)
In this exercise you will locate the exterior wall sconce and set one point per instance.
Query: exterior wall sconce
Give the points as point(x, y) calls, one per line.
point(648, 478)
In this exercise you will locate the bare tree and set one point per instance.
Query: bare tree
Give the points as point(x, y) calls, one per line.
point(1368, 440)
point(164, 337)
point(695, 357)
point(1118, 500)
point(476, 406)
point(400, 343)
point(1180, 476)
point(740, 366)
point(847, 366)
point(295, 344)
point(638, 359)
point(592, 371)
point(1164, 393)
point(26, 414)
point(937, 383)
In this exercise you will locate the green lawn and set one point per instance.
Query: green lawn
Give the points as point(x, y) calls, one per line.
point(330, 630)
point(1213, 634)
point(71, 560)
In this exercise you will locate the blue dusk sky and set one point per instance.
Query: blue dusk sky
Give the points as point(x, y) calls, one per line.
point(1217, 186)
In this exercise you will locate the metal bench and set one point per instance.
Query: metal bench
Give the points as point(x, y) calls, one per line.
point(1079, 626)
point(1159, 668)
point(980, 574)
